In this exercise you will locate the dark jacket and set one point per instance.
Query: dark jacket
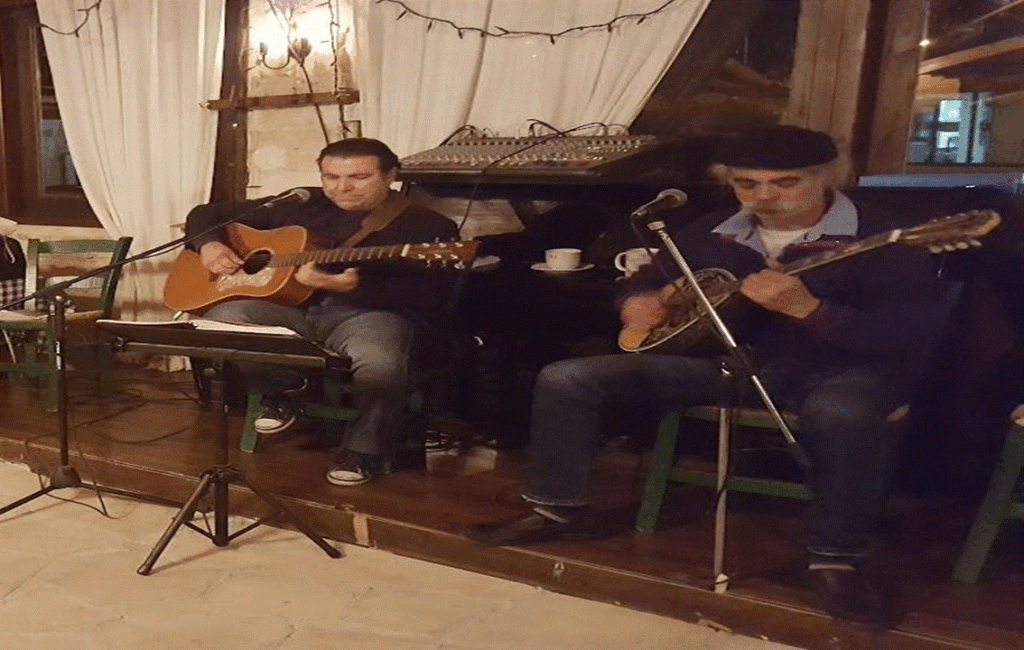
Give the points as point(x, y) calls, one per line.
point(879, 308)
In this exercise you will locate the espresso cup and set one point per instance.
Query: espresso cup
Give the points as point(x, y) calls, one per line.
point(562, 259)
point(628, 261)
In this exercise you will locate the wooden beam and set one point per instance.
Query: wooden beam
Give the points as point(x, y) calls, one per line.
point(343, 96)
point(928, 84)
point(828, 67)
point(897, 85)
point(989, 83)
point(713, 40)
point(973, 54)
point(1013, 4)
point(230, 163)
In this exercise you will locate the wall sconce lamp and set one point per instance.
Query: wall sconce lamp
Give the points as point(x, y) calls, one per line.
point(298, 49)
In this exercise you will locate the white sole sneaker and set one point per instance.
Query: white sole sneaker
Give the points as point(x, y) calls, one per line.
point(268, 425)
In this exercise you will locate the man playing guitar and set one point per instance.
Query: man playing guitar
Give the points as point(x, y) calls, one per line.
point(838, 347)
point(368, 314)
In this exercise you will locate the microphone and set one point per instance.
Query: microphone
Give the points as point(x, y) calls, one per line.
point(296, 195)
point(670, 198)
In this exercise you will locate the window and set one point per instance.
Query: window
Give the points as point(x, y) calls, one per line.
point(39, 183)
point(952, 130)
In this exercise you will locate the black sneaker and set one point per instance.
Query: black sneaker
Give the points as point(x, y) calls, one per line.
point(275, 417)
point(352, 468)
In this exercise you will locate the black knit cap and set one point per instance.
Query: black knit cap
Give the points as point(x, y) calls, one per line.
point(778, 147)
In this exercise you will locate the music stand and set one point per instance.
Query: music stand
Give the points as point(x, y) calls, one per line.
point(184, 339)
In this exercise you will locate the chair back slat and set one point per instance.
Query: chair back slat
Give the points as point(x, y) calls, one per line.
point(51, 262)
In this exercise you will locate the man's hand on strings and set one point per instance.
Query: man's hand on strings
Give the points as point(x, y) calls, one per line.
point(218, 258)
point(309, 275)
point(643, 311)
point(779, 292)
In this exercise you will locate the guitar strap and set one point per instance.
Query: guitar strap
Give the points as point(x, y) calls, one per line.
point(379, 217)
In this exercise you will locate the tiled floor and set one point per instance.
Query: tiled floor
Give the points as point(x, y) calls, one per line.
point(68, 581)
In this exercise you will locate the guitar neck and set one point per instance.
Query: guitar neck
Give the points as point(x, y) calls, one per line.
point(827, 257)
point(361, 254)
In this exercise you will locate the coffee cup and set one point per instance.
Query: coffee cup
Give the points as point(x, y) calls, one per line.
point(628, 261)
point(562, 259)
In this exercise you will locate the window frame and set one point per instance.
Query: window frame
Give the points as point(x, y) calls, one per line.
point(23, 197)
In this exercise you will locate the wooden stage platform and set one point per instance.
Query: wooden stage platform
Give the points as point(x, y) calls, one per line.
point(152, 438)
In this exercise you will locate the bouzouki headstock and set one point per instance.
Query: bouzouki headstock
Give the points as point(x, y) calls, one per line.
point(955, 232)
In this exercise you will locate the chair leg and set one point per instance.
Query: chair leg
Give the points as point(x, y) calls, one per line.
point(993, 509)
point(249, 436)
point(662, 459)
point(104, 357)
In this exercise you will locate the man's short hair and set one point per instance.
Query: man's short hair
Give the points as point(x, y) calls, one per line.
point(353, 147)
point(777, 147)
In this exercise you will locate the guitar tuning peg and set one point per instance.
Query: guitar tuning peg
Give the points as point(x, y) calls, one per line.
point(963, 245)
point(934, 249)
point(974, 243)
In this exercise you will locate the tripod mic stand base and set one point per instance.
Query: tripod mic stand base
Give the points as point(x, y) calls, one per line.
point(64, 476)
point(219, 479)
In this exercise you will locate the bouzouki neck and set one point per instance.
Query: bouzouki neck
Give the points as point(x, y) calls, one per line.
point(829, 256)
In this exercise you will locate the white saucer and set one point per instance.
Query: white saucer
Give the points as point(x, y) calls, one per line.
point(541, 266)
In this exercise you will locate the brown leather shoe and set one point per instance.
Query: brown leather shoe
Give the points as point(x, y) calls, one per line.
point(534, 527)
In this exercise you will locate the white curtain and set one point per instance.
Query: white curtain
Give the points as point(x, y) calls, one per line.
point(130, 89)
point(417, 86)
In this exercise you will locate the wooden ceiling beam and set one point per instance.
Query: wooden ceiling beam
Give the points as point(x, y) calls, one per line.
point(897, 81)
point(973, 54)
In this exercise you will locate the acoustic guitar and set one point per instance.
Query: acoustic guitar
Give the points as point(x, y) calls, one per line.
point(688, 329)
point(272, 257)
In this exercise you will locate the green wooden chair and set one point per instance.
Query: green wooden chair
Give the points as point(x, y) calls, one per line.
point(1002, 501)
point(334, 385)
point(663, 468)
point(331, 407)
point(29, 338)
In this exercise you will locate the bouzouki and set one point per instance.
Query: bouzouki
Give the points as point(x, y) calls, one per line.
point(272, 257)
point(687, 328)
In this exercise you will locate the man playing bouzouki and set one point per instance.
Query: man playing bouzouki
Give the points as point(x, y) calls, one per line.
point(838, 346)
point(370, 315)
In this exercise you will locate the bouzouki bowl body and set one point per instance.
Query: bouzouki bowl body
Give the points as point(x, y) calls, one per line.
point(686, 330)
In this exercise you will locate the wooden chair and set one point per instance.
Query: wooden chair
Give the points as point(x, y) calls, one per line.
point(663, 468)
point(331, 407)
point(331, 403)
point(1002, 501)
point(333, 386)
point(29, 336)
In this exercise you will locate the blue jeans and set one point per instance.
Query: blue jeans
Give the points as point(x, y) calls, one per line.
point(379, 344)
point(843, 427)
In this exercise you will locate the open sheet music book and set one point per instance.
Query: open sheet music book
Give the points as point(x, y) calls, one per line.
point(212, 325)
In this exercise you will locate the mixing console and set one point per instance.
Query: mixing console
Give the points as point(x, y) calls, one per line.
point(565, 156)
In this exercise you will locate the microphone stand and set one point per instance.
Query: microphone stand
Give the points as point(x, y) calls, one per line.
point(738, 370)
point(65, 475)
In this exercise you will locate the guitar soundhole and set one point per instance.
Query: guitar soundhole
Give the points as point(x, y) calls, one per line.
point(256, 261)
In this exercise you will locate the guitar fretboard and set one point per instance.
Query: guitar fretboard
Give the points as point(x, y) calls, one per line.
point(360, 254)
